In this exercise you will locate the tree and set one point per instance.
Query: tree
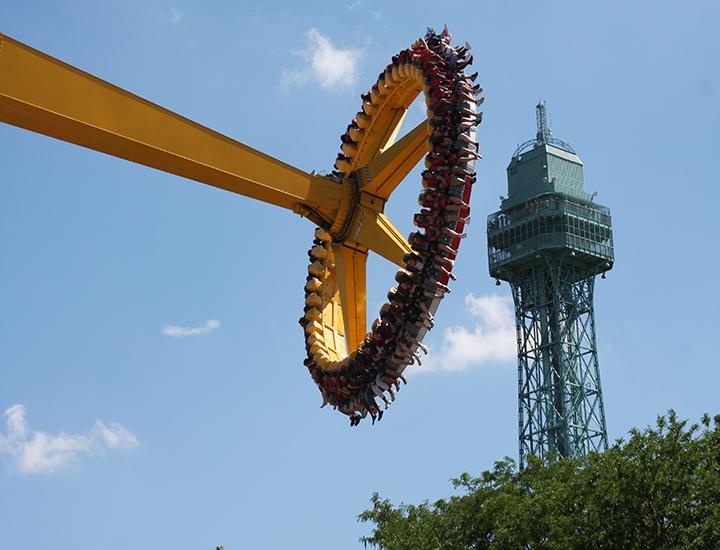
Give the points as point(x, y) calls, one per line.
point(659, 489)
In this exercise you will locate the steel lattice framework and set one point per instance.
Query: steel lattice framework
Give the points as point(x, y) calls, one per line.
point(560, 400)
point(549, 241)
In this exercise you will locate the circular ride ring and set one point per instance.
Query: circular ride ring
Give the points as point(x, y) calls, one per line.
point(359, 380)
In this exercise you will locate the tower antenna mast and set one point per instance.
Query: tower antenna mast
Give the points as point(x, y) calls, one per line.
point(543, 132)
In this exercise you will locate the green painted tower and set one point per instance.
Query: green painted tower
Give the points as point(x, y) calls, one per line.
point(549, 240)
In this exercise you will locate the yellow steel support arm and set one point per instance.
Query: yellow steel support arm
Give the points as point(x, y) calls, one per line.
point(373, 230)
point(350, 264)
point(45, 95)
point(384, 173)
point(386, 125)
point(378, 179)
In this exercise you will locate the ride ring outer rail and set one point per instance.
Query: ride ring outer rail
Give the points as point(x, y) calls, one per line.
point(353, 382)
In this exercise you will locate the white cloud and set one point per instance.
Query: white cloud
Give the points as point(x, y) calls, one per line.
point(491, 339)
point(34, 452)
point(323, 63)
point(181, 332)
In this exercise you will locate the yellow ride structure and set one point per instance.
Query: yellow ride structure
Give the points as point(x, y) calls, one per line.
point(45, 95)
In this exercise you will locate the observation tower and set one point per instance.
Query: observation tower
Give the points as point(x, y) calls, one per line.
point(549, 240)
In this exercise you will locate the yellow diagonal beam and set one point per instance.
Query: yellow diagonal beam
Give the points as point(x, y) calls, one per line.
point(350, 264)
point(393, 129)
point(42, 94)
point(386, 124)
point(384, 173)
point(375, 231)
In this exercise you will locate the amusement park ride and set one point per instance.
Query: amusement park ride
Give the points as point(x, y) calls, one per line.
point(356, 370)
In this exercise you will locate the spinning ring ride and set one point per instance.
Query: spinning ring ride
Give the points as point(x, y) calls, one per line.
point(354, 369)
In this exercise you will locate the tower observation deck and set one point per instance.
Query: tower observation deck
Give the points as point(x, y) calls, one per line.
point(549, 240)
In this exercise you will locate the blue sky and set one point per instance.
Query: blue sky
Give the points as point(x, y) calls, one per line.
point(121, 431)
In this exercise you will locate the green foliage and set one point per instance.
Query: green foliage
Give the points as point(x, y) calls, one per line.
point(659, 489)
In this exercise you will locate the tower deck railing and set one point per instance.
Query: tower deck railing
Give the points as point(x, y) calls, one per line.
point(550, 222)
point(549, 203)
point(560, 240)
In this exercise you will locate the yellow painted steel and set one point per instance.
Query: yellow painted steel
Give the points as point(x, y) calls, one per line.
point(350, 265)
point(384, 126)
point(375, 231)
point(385, 172)
point(378, 164)
point(45, 95)
point(42, 94)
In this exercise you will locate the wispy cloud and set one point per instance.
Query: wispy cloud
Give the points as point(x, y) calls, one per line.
point(323, 64)
point(171, 14)
point(35, 452)
point(492, 338)
point(182, 332)
point(353, 6)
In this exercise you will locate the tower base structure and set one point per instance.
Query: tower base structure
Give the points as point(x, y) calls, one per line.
point(560, 405)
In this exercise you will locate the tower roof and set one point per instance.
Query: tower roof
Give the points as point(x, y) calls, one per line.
point(544, 165)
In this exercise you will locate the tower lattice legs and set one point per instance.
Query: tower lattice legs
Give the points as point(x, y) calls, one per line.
point(559, 394)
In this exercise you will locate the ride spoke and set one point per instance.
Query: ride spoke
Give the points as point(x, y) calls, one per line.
point(350, 277)
point(392, 130)
point(383, 174)
point(379, 235)
point(386, 125)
